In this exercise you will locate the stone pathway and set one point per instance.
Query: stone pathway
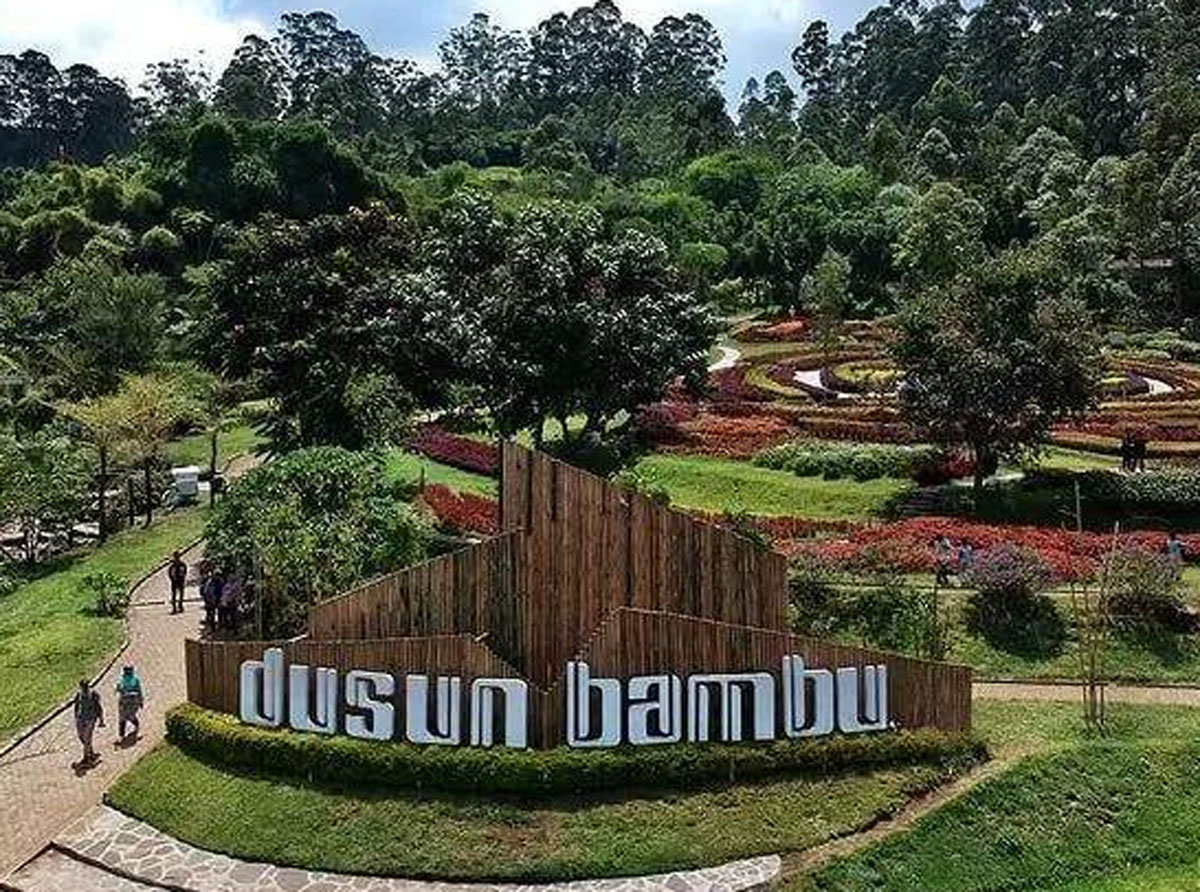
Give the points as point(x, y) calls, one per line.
point(107, 840)
point(40, 791)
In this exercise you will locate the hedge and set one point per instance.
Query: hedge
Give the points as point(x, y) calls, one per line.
point(1166, 491)
point(401, 766)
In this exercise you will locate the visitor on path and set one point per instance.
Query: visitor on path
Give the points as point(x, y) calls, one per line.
point(177, 572)
point(89, 712)
point(966, 558)
point(210, 593)
point(129, 701)
point(1175, 550)
point(231, 602)
point(943, 557)
point(1140, 448)
point(1127, 453)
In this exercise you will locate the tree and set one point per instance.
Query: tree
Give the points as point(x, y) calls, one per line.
point(254, 84)
point(43, 487)
point(175, 87)
point(995, 357)
point(106, 426)
point(309, 525)
point(152, 406)
point(827, 292)
point(943, 235)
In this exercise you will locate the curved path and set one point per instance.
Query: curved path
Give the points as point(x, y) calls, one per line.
point(40, 790)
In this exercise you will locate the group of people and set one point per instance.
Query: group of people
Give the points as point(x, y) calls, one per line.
point(221, 596)
point(951, 558)
point(1133, 453)
point(89, 713)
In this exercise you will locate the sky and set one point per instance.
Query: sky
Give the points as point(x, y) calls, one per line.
point(120, 37)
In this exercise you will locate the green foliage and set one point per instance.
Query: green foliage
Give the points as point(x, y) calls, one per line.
point(310, 525)
point(855, 461)
point(532, 773)
point(109, 592)
point(1144, 590)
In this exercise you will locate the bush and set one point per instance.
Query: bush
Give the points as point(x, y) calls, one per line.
point(110, 593)
point(1144, 591)
point(814, 595)
point(311, 524)
point(1008, 606)
point(402, 766)
point(862, 461)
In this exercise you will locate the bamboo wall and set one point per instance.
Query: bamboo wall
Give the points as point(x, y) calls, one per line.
point(631, 642)
point(573, 548)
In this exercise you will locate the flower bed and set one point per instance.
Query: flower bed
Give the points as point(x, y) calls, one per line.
point(793, 328)
point(907, 544)
point(462, 512)
point(731, 385)
point(456, 451)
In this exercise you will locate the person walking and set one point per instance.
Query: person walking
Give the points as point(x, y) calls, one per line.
point(130, 699)
point(943, 555)
point(89, 712)
point(231, 602)
point(177, 572)
point(1175, 550)
point(1140, 449)
point(966, 559)
point(210, 592)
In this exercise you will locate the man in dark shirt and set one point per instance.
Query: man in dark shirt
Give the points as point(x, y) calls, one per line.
point(177, 572)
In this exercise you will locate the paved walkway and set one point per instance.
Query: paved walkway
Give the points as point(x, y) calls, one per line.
point(40, 791)
point(106, 842)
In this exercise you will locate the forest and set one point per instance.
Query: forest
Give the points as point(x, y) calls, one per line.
point(547, 229)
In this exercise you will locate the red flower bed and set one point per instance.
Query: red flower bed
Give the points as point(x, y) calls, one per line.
point(788, 329)
point(731, 384)
point(908, 543)
point(458, 452)
point(785, 529)
point(462, 512)
point(737, 437)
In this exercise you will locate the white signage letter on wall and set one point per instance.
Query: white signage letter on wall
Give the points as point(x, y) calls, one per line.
point(260, 690)
point(660, 696)
point(862, 707)
point(446, 729)
point(515, 694)
point(325, 700)
point(379, 720)
point(799, 720)
point(730, 692)
point(580, 687)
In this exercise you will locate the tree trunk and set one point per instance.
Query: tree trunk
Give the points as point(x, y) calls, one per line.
point(539, 433)
point(149, 494)
point(132, 504)
point(979, 453)
point(212, 470)
point(102, 500)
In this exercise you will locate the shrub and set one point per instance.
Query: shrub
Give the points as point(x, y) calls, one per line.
point(311, 524)
point(1144, 590)
point(862, 461)
point(375, 765)
point(109, 592)
point(814, 595)
point(1008, 606)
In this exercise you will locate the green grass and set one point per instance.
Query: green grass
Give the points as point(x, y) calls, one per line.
point(194, 449)
point(1081, 813)
point(477, 837)
point(48, 637)
point(406, 466)
point(713, 484)
point(1059, 459)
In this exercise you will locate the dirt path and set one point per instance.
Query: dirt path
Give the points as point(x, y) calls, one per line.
point(1115, 693)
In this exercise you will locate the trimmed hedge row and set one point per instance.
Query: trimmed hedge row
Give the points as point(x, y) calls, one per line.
point(1166, 491)
point(345, 760)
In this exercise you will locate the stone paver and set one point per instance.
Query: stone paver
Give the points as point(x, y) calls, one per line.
point(133, 848)
point(56, 872)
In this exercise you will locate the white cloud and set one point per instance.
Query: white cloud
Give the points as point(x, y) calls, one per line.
point(121, 37)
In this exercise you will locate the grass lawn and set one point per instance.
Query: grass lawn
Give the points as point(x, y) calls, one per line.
point(463, 837)
point(1059, 459)
point(49, 640)
point(714, 484)
point(194, 449)
point(406, 466)
point(1081, 814)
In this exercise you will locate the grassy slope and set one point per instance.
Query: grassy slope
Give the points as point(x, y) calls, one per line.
point(406, 466)
point(1079, 814)
point(714, 484)
point(194, 449)
point(479, 838)
point(48, 640)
